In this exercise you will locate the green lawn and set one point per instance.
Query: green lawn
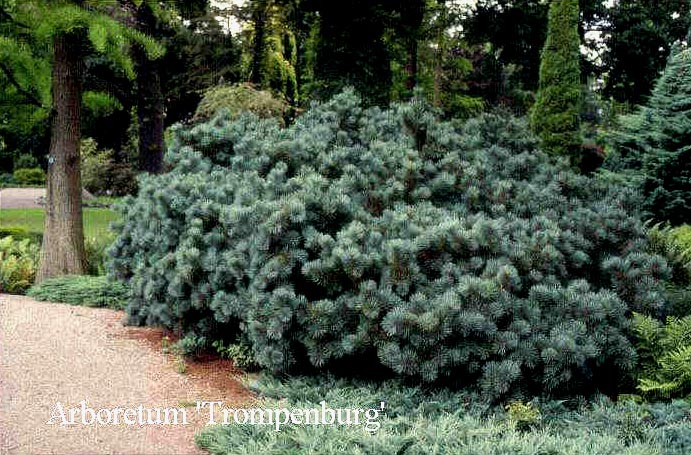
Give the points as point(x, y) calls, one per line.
point(96, 221)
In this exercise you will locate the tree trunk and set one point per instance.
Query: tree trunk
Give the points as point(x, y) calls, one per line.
point(259, 18)
point(62, 251)
point(150, 106)
point(150, 113)
point(411, 66)
point(412, 16)
point(439, 56)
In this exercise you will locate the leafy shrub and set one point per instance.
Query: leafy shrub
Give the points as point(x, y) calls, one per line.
point(523, 415)
point(239, 353)
point(176, 350)
point(237, 99)
point(18, 264)
point(191, 345)
point(89, 291)
point(96, 254)
point(25, 161)
point(6, 179)
point(32, 176)
point(101, 175)
point(674, 244)
point(95, 166)
point(20, 233)
point(665, 356)
point(419, 422)
point(122, 180)
point(387, 238)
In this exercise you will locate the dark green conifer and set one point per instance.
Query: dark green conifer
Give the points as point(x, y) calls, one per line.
point(654, 145)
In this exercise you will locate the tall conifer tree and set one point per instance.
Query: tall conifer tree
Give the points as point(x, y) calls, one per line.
point(653, 144)
point(555, 113)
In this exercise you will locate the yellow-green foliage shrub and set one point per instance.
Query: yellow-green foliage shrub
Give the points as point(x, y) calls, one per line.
point(682, 235)
point(522, 415)
point(31, 176)
point(237, 99)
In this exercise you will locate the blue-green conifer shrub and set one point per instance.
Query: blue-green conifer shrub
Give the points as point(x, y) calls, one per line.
point(387, 239)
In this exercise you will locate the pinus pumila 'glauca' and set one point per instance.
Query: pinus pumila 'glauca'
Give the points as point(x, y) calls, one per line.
point(367, 237)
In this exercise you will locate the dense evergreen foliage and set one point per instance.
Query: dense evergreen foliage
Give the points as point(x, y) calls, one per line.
point(90, 291)
point(653, 144)
point(420, 422)
point(639, 35)
point(387, 237)
point(555, 116)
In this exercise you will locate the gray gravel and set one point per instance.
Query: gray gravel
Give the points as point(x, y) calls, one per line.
point(26, 198)
point(53, 353)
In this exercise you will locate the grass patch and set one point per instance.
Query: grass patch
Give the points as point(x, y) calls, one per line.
point(90, 291)
point(420, 422)
point(101, 202)
point(96, 220)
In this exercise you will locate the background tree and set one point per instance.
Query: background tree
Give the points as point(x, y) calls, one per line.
point(24, 90)
point(271, 45)
point(351, 50)
point(199, 56)
point(653, 144)
point(428, 50)
point(555, 116)
point(449, 60)
point(150, 104)
point(639, 35)
point(68, 30)
point(512, 32)
point(411, 17)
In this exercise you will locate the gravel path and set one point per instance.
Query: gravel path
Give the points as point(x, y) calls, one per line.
point(53, 353)
point(26, 198)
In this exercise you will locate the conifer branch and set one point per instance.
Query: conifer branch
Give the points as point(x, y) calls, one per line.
point(7, 17)
point(30, 96)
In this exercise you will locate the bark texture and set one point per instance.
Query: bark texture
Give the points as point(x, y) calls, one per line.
point(62, 251)
point(150, 105)
point(412, 15)
point(260, 14)
point(150, 111)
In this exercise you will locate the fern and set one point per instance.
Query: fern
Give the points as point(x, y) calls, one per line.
point(18, 263)
point(665, 356)
point(677, 332)
point(672, 244)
